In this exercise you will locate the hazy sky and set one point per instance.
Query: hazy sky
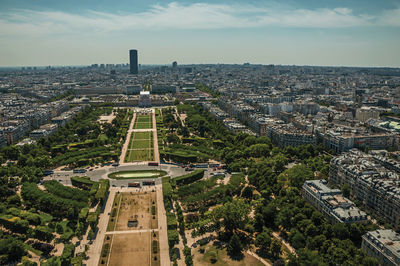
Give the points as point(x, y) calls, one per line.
point(301, 32)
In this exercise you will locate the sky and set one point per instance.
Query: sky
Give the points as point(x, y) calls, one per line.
point(294, 32)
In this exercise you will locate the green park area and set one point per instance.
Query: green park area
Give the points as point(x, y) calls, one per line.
point(137, 174)
point(143, 122)
point(140, 147)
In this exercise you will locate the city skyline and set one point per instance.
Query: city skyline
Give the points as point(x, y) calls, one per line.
point(325, 33)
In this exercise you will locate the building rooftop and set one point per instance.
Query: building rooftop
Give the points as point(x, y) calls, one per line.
point(386, 240)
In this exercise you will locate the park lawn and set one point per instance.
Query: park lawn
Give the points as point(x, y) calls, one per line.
point(143, 118)
point(142, 138)
point(140, 155)
point(142, 135)
point(143, 125)
point(141, 144)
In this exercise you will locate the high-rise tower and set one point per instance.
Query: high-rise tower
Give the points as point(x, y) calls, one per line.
point(133, 61)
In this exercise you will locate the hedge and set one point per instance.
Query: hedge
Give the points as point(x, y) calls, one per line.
point(167, 193)
point(171, 221)
point(57, 206)
point(189, 178)
point(40, 233)
point(67, 254)
point(83, 213)
point(173, 238)
point(102, 192)
point(82, 182)
point(154, 246)
point(62, 191)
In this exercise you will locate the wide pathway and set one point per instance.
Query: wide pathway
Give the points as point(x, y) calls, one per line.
point(127, 140)
point(155, 138)
point(95, 249)
point(162, 228)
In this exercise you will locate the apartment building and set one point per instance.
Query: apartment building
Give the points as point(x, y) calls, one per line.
point(331, 203)
point(288, 135)
point(14, 130)
point(3, 139)
point(342, 139)
point(384, 245)
point(44, 131)
point(375, 185)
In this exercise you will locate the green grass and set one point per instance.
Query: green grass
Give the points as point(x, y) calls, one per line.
point(141, 144)
point(158, 173)
point(143, 122)
point(141, 136)
point(143, 118)
point(143, 125)
point(111, 224)
point(139, 155)
point(140, 147)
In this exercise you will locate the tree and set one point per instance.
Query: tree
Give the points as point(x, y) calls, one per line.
point(14, 200)
point(298, 174)
point(346, 190)
point(234, 247)
point(263, 241)
point(173, 138)
point(283, 217)
point(279, 262)
point(247, 192)
point(11, 152)
point(298, 240)
point(369, 261)
point(340, 231)
point(184, 131)
point(258, 150)
point(316, 242)
point(59, 229)
point(275, 248)
point(12, 248)
point(234, 214)
point(91, 234)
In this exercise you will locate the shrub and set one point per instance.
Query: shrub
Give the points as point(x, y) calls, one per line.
point(189, 178)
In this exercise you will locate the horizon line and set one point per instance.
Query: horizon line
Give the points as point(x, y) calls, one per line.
point(193, 64)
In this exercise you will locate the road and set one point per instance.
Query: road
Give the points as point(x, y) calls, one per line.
point(64, 177)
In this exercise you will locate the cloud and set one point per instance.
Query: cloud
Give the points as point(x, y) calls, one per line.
point(390, 18)
point(179, 16)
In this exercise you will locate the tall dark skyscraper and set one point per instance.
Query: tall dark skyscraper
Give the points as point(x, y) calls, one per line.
point(133, 61)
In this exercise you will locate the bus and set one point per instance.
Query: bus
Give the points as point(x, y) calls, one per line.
point(48, 172)
point(149, 183)
point(79, 171)
point(152, 163)
point(134, 184)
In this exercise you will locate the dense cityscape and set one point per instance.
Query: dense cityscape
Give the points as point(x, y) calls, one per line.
point(242, 164)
